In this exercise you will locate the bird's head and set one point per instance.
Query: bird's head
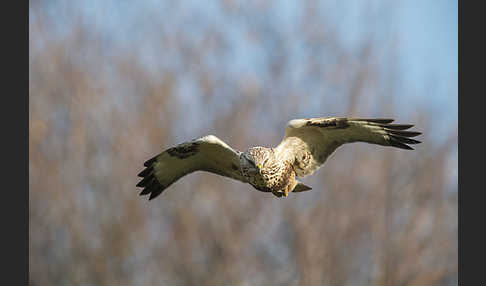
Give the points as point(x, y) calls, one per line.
point(256, 157)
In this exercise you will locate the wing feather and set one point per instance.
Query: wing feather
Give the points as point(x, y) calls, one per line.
point(309, 142)
point(208, 153)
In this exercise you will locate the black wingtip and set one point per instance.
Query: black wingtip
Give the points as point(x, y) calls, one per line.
point(153, 188)
point(152, 196)
point(145, 171)
point(150, 161)
point(397, 126)
point(401, 142)
point(398, 136)
point(404, 140)
point(155, 193)
point(149, 182)
point(374, 120)
point(400, 145)
point(144, 192)
point(403, 133)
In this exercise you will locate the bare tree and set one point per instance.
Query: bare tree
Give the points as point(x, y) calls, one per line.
point(98, 107)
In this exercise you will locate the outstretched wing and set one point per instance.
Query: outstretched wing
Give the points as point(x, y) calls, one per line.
point(208, 153)
point(309, 142)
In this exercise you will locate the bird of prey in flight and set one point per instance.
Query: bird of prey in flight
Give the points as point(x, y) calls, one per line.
point(305, 147)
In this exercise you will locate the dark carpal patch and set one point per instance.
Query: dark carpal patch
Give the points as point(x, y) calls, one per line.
point(334, 122)
point(184, 150)
point(374, 120)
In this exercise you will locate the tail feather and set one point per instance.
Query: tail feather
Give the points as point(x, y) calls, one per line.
point(300, 187)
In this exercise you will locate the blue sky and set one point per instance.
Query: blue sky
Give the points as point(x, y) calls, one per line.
point(428, 32)
point(425, 34)
point(429, 49)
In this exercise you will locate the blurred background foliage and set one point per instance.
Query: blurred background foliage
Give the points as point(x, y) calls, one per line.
point(112, 83)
